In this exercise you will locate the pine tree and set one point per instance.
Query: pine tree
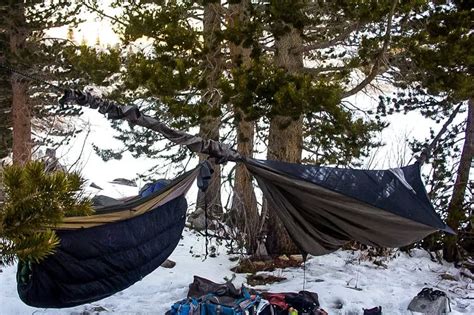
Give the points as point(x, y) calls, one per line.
point(303, 103)
point(5, 93)
point(210, 123)
point(35, 202)
point(285, 134)
point(244, 209)
point(176, 78)
point(26, 49)
point(434, 63)
point(21, 113)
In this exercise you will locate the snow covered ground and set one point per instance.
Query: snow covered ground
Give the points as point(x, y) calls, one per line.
point(333, 277)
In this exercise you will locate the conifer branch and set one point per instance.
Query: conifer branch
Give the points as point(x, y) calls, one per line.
point(59, 39)
point(35, 202)
point(102, 13)
point(315, 71)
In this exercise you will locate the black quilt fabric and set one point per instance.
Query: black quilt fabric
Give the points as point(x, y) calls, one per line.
point(93, 263)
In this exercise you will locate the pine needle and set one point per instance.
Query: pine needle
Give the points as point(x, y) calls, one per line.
point(36, 200)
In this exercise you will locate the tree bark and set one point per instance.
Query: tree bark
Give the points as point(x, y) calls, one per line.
point(5, 89)
point(244, 202)
point(456, 212)
point(21, 118)
point(21, 112)
point(285, 138)
point(284, 144)
point(244, 209)
point(5, 115)
point(210, 124)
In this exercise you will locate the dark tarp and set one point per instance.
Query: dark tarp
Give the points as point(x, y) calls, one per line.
point(322, 208)
point(96, 259)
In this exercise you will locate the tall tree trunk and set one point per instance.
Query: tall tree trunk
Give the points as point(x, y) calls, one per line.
point(5, 116)
point(285, 139)
point(5, 90)
point(244, 203)
point(210, 124)
point(21, 119)
point(21, 113)
point(456, 212)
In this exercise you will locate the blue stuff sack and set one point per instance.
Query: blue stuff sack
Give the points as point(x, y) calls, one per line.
point(150, 188)
point(187, 306)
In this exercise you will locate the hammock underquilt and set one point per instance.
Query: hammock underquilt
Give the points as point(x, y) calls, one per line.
point(91, 264)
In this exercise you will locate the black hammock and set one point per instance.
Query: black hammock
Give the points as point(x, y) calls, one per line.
point(322, 208)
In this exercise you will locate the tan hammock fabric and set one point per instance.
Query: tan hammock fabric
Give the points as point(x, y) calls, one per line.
point(132, 208)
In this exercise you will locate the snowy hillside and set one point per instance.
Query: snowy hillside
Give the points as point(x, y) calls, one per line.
point(344, 282)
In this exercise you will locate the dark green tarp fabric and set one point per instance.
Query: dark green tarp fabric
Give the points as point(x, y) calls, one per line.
point(323, 208)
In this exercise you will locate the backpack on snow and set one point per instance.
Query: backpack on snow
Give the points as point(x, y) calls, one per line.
point(247, 304)
point(212, 304)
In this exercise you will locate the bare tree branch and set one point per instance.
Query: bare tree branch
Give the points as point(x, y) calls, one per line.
point(426, 153)
point(378, 61)
point(82, 148)
point(102, 13)
point(59, 39)
point(315, 71)
point(321, 45)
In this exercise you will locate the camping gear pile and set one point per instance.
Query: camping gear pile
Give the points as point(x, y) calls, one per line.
point(208, 298)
